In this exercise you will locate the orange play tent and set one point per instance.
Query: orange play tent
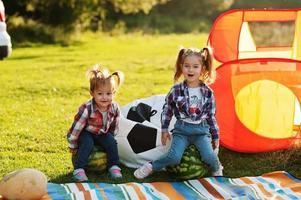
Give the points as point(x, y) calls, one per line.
point(258, 85)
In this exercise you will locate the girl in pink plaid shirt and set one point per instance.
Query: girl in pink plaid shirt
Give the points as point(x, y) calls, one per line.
point(96, 123)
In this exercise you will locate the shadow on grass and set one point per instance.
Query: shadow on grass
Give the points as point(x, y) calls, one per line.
point(127, 173)
point(23, 57)
point(235, 165)
point(63, 178)
point(238, 164)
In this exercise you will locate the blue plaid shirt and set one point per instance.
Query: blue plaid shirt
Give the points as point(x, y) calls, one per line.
point(177, 103)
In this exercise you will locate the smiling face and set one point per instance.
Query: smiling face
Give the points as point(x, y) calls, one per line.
point(103, 96)
point(191, 69)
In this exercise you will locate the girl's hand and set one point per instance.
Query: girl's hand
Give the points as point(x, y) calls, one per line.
point(215, 144)
point(164, 137)
point(73, 151)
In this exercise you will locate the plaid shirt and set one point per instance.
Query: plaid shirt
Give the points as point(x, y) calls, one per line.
point(177, 103)
point(89, 118)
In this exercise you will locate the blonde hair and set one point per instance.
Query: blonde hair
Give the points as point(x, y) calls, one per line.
point(101, 77)
point(208, 72)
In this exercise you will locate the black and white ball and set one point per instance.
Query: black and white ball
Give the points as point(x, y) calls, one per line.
point(156, 103)
point(139, 142)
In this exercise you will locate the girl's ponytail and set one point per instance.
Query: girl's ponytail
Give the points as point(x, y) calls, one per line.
point(178, 66)
point(209, 75)
point(206, 58)
point(120, 78)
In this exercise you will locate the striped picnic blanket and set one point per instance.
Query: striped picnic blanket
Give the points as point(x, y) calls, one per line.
point(275, 185)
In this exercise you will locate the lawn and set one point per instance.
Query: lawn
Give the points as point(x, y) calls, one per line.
point(43, 85)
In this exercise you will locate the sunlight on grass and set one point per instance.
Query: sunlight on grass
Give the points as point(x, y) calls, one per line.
point(42, 87)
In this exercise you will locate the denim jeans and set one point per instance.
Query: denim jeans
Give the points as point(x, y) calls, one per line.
point(86, 144)
point(184, 134)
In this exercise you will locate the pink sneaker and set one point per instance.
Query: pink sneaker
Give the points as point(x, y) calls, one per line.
point(115, 172)
point(79, 175)
point(143, 171)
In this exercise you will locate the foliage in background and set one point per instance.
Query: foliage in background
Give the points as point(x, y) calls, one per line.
point(68, 13)
point(57, 20)
point(178, 16)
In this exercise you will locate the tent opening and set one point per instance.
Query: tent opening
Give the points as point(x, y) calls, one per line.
point(269, 109)
point(267, 39)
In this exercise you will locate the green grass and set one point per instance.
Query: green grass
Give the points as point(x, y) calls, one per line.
point(43, 85)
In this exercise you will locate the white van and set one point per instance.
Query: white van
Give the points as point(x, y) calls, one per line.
point(5, 42)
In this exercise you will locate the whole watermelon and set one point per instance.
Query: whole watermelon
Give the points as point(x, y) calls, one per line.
point(97, 161)
point(191, 165)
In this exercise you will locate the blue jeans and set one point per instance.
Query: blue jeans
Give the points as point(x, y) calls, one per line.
point(184, 134)
point(86, 144)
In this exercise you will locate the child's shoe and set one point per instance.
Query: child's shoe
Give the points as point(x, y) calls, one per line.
point(219, 172)
point(79, 175)
point(143, 171)
point(115, 172)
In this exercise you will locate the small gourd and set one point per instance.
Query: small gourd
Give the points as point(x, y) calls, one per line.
point(24, 184)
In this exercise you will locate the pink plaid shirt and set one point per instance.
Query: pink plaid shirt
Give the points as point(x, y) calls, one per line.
point(89, 118)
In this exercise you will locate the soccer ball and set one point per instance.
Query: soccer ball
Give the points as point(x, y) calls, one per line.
point(155, 103)
point(139, 142)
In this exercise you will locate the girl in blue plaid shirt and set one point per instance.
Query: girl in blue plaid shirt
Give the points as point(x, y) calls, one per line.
point(192, 103)
point(96, 123)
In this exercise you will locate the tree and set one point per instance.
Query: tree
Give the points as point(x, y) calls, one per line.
point(180, 15)
point(67, 13)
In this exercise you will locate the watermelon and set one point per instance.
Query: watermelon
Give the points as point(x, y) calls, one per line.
point(191, 165)
point(97, 161)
